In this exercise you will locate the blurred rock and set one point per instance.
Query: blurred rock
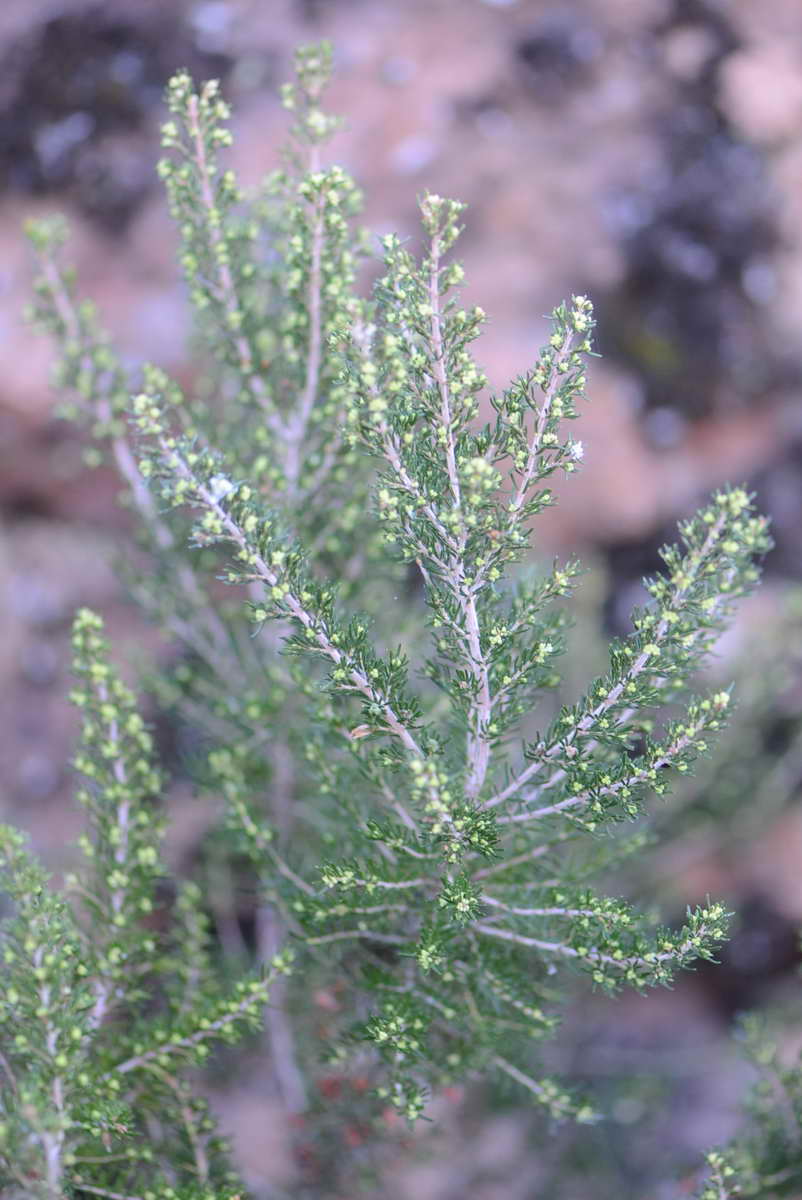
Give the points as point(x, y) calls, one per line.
point(78, 83)
point(688, 49)
point(761, 92)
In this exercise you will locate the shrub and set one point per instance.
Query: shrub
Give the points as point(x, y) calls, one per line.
point(763, 1160)
point(372, 691)
point(101, 1012)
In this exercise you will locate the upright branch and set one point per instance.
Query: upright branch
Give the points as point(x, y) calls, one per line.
point(91, 1101)
point(440, 222)
point(232, 514)
point(203, 197)
point(691, 602)
point(92, 373)
point(378, 753)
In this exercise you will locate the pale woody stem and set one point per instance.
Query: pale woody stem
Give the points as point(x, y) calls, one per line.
point(507, 863)
point(479, 746)
point(344, 934)
point(478, 743)
point(297, 428)
point(590, 718)
point(525, 482)
point(122, 454)
point(544, 412)
point(393, 455)
point(391, 884)
point(440, 374)
point(507, 935)
point(278, 1029)
point(514, 1073)
point(294, 605)
point(185, 1043)
point(96, 1191)
point(126, 465)
point(196, 1139)
point(665, 760)
point(103, 986)
point(545, 912)
point(52, 1141)
point(297, 610)
point(228, 291)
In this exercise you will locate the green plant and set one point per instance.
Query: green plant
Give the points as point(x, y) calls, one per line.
point(416, 836)
point(101, 1010)
point(764, 1160)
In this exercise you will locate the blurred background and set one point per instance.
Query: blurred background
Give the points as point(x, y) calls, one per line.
point(647, 152)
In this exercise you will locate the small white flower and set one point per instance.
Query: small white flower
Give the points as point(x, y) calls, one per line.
point(219, 486)
point(577, 451)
